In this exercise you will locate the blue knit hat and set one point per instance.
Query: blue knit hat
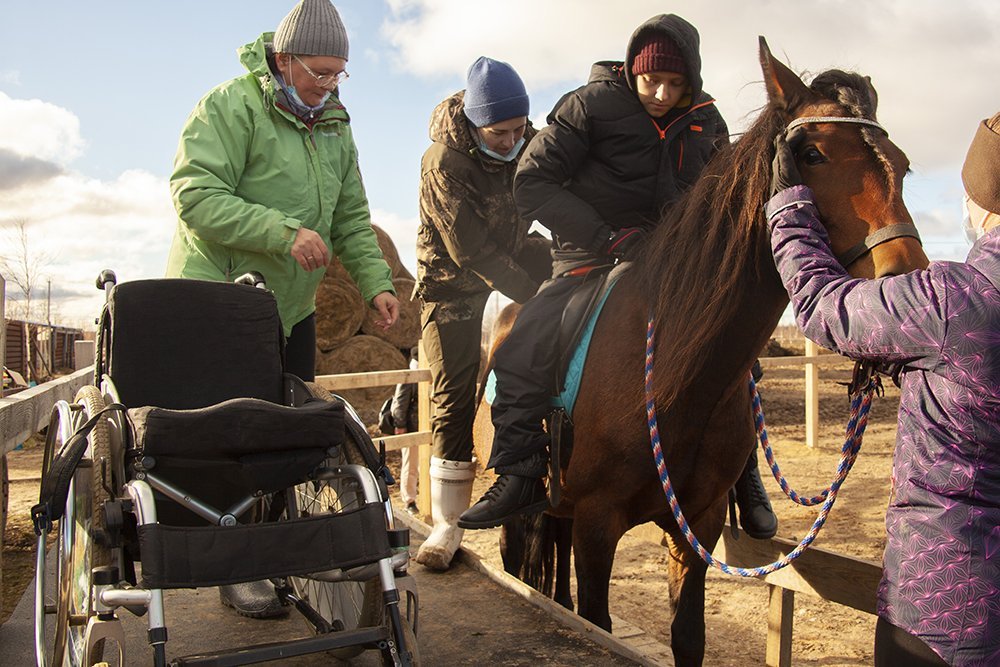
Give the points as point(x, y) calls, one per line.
point(494, 93)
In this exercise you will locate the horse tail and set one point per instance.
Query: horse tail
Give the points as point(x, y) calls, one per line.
point(527, 546)
point(536, 549)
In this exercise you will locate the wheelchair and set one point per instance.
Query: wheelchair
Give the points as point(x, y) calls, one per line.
point(194, 460)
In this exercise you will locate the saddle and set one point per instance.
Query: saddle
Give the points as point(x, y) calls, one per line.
point(576, 327)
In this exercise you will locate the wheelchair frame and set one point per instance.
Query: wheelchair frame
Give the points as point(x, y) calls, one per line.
point(350, 609)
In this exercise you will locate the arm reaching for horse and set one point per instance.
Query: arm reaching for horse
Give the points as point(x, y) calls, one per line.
point(448, 204)
point(894, 319)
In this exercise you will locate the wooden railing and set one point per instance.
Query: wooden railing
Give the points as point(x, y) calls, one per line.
point(421, 438)
point(27, 412)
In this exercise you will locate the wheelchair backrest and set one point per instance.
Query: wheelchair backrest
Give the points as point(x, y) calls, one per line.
point(184, 344)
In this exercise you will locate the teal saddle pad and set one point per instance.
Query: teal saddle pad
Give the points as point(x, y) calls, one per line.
point(574, 371)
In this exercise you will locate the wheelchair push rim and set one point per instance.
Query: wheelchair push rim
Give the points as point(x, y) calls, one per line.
point(76, 551)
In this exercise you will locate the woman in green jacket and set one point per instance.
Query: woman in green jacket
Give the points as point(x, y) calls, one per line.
point(266, 179)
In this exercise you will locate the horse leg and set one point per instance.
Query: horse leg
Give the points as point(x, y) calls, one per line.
point(686, 577)
point(564, 548)
point(597, 527)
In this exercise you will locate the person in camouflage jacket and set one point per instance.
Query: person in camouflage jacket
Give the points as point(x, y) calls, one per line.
point(471, 241)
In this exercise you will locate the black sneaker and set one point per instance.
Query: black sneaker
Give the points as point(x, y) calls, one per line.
point(509, 495)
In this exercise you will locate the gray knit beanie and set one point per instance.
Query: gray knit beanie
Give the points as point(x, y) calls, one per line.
point(312, 28)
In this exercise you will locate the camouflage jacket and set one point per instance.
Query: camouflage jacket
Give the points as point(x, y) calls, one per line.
point(471, 239)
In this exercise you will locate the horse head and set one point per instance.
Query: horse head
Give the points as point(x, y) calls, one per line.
point(854, 170)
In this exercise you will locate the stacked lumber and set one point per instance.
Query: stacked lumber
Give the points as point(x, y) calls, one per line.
point(349, 341)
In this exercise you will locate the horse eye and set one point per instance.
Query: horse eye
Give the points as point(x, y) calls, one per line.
point(812, 156)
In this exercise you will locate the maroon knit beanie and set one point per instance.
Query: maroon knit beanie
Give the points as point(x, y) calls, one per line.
point(655, 52)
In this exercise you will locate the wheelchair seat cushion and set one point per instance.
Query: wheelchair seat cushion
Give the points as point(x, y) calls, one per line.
point(240, 446)
point(237, 427)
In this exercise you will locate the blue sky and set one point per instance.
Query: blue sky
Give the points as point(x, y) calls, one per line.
point(93, 97)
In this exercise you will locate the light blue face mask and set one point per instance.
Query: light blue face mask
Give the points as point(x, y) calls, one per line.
point(293, 97)
point(497, 156)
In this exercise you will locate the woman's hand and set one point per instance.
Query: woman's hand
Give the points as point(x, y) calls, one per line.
point(309, 250)
point(388, 309)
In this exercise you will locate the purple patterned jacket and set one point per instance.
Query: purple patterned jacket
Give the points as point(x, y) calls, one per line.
point(941, 578)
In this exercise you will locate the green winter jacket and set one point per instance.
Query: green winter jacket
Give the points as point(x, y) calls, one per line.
point(249, 173)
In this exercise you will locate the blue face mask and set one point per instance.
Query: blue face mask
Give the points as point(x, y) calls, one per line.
point(293, 97)
point(503, 158)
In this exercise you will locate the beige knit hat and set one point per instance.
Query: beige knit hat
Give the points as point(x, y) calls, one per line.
point(981, 171)
point(312, 28)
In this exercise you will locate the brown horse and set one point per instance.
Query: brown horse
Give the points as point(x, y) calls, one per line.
point(707, 278)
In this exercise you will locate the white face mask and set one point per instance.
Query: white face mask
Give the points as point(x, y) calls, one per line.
point(973, 228)
point(497, 156)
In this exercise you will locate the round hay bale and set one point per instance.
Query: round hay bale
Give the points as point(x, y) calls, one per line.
point(391, 254)
point(340, 310)
point(336, 271)
point(405, 333)
point(360, 354)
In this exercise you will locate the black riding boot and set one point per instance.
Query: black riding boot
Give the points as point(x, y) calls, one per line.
point(519, 489)
point(756, 516)
point(509, 495)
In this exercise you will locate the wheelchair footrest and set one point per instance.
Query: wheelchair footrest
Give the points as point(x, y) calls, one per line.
point(189, 557)
point(369, 637)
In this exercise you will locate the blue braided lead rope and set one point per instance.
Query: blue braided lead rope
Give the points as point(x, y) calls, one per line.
point(860, 404)
point(831, 496)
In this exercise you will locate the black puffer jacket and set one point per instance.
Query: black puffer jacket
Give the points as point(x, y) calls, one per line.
point(603, 163)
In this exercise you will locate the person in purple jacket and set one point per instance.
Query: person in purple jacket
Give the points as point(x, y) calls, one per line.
point(939, 599)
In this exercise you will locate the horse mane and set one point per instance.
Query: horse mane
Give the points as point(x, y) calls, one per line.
point(704, 256)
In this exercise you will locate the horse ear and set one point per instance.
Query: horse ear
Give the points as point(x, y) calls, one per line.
point(785, 90)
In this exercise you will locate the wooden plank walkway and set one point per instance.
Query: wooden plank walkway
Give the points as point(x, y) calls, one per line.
point(466, 619)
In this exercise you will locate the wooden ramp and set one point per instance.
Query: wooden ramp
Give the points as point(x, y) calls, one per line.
point(466, 618)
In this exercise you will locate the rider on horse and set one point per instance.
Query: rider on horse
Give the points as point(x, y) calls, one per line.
point(615, 154)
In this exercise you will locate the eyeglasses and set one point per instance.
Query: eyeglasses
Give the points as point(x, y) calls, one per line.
point(327, 81)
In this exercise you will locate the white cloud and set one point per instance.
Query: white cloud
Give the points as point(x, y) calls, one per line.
point(37, 129)
point(933, 67)
point(83, 224)
point(87, 225)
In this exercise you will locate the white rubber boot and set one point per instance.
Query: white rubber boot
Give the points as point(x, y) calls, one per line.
point(451, 491)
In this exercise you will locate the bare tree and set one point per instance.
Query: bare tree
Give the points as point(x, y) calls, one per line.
point(23, 268)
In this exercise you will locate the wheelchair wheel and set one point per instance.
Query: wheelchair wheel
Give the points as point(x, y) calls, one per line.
point(346, 605)
point(78, 552)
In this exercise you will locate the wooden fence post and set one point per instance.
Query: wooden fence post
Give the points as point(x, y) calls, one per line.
point(812, 396)
point(424, 421)
point(781, 605)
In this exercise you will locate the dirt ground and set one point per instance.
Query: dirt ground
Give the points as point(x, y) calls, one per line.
point(825, 634)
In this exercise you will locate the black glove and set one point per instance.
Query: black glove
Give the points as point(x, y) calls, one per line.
point(784, 172)
point(623, 242)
